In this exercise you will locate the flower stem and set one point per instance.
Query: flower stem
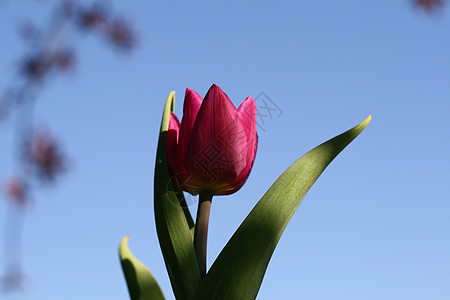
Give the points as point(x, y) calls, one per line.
point(201, 230)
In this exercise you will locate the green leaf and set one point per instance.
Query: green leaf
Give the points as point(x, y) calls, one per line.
point(141, 283)
point(239, 269)
point(174, 221)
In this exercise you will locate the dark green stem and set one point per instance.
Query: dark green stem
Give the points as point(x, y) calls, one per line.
point(201, 230)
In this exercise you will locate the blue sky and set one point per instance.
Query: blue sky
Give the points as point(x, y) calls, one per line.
point(374, 226)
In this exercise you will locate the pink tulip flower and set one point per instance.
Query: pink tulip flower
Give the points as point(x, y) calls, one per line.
point(214, 147)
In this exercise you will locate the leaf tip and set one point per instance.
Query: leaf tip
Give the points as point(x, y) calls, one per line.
point(171, 101)
point(361, 126)
point(124, 244)
point(168, 107)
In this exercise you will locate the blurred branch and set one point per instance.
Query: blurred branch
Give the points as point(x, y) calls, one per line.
point(50, 53)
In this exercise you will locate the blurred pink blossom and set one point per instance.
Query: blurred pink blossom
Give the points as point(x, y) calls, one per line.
point(429, 5)
point(45, 155)
point(16, 190)
point(35, 68)
point(121, 34)
point(92, 19)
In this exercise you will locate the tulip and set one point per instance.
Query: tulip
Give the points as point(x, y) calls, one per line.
point(214, 147)
point(211, 153)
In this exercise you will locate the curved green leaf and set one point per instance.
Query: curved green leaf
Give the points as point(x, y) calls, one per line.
point(239, 269)
point(174, 221)
point(141, 283)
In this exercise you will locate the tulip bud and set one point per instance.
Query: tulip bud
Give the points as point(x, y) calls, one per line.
point(214, 147)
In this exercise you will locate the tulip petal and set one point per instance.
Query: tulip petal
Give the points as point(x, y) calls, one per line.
point(172, 145)
point(217, 150)
point(247, 115)
point(247, 118)
point(177, 171)
point(240, 181)
point(192, 103)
